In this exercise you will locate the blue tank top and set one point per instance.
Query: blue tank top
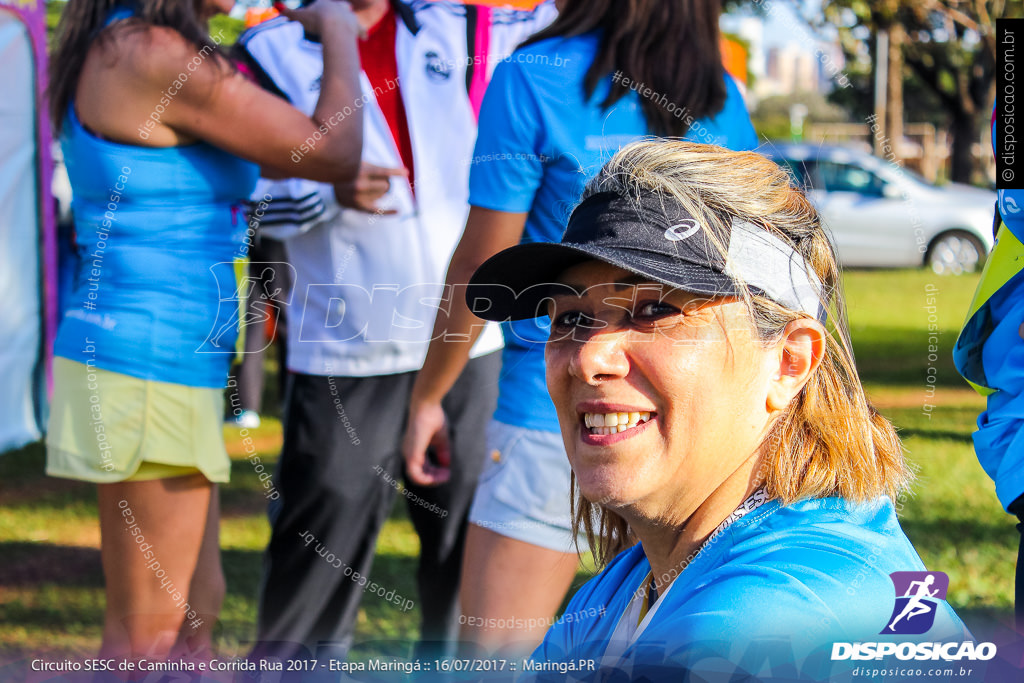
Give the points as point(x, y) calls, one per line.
point(158, 231)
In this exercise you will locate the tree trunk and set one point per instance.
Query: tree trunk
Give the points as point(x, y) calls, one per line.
point(894, 89)
point(880, 78)
point(961, 163)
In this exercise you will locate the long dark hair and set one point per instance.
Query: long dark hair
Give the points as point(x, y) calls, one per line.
point(669, 46)
point(82, 22)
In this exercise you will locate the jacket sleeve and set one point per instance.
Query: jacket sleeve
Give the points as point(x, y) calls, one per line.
point(281, 208)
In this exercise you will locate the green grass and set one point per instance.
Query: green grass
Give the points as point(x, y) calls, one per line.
point(51, 592)
point(952, 516)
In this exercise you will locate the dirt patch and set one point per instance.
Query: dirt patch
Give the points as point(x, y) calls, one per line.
point(237, 448)
point(965, 397)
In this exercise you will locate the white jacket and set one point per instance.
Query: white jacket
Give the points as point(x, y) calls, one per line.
point(367, 286)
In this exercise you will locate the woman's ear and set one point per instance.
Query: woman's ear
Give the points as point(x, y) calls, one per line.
point(797, 356)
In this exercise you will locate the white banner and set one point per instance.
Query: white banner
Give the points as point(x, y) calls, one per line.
point(21, 306)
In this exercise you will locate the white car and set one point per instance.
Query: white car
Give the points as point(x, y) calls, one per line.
point(882, 215)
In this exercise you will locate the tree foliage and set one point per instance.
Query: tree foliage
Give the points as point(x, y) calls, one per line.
point(771, 117)
point(949, 52)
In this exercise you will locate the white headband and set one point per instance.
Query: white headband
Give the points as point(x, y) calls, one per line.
point(761, 260)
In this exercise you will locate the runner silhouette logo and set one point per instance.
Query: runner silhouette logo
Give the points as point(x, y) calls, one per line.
point(917, 598)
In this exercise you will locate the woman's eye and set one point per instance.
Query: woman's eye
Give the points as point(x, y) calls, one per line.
point(652, 310)
point(572, 319)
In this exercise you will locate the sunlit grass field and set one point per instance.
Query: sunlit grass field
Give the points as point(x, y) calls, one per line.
point(51, 589)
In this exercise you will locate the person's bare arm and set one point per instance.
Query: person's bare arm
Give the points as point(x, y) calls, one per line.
point(487, 232)
point(225, 109)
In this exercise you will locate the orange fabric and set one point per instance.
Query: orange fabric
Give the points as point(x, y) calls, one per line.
point(257, 15)
point(517, 4)
point(734, 57)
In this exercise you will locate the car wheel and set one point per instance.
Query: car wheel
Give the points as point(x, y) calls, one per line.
point(955, 252)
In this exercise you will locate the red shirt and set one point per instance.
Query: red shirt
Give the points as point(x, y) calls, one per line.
point(377, 54)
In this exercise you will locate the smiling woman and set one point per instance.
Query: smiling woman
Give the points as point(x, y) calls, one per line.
point(724, 455)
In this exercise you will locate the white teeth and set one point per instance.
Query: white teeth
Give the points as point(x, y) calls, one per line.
point(613, 423)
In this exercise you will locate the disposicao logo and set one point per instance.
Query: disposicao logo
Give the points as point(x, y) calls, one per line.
point(917, 598)
point(918, 595)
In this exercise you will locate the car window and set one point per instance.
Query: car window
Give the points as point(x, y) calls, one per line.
point(798, 171)
point(838, 177)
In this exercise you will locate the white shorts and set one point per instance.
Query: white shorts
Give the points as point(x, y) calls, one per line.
point(524, 488)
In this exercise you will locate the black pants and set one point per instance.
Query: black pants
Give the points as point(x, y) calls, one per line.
point(339, 464)
point(1017, 508)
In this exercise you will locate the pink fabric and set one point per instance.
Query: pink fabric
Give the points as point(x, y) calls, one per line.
point(481, 65)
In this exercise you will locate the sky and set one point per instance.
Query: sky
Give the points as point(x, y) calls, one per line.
point(779, 23)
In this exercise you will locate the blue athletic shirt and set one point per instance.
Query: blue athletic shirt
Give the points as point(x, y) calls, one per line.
point(539, 142)
point(999, 441)
point(775, 590)
point(158, 231)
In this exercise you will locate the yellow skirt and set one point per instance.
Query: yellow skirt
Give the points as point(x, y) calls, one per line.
point(107, 427)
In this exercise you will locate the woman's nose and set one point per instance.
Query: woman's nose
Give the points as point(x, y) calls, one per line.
point(600, 357)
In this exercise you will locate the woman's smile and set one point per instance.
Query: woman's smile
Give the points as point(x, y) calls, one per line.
point(604, 424)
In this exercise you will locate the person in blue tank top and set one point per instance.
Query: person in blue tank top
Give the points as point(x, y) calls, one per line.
point(163, 140)
point(732, 479)
point(602, 75)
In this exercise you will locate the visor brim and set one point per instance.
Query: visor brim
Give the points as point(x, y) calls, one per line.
point(516, 283)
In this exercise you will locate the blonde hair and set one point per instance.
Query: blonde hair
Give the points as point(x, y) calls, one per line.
point(830, 441)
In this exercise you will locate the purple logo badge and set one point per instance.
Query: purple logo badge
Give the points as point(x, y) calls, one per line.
point(917, 598)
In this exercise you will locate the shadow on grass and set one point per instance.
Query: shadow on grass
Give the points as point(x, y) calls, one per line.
point(246, 494)
point(962, 437)
point(36, 564)
point(895, 356)
point(33, 564)
point(938, 533)
point(242, 571)
point(378, 618)
point(23, 477)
